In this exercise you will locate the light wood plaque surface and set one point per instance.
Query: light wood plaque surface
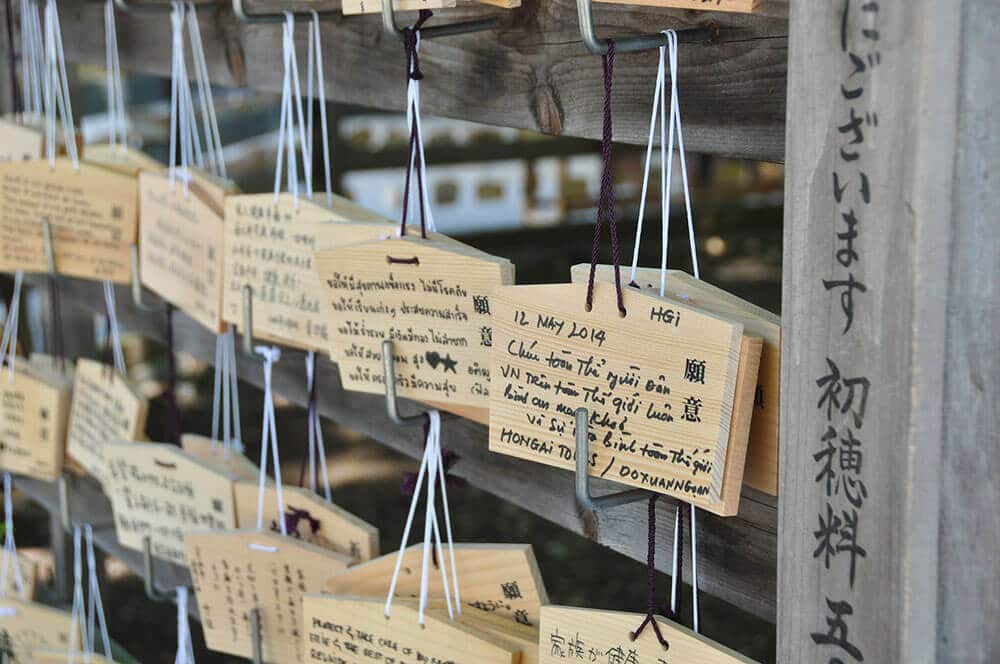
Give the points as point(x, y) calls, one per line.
point(34, 412)
point(29, 626)
point(19, 142)
point(211, 452)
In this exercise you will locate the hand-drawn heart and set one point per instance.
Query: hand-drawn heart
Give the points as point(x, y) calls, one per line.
point(433, 358)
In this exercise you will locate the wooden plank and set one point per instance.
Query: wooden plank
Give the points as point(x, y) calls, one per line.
point(533, 73)
point(736, 555)
point(918, 190)
point(28, 626)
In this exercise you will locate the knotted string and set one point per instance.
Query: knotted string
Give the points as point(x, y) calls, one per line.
point(185, 650)
point(287, 125)
point(9, 547)
point(430, 467)
point(56, 89)
point(415, 155)
point(172, 422)
point(315, 438)
point(225, 397)
point(650, 618)
point(606, 205)
point(117, 121)
point(269, 438)
point(8, 342)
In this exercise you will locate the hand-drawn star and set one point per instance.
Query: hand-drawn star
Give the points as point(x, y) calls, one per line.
point(449, 364)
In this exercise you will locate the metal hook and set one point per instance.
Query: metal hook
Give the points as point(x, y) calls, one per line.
point(241, 13)
point(137, 283)
point(258, 656)
point(50, 254)
point(598, 46)
point(64, 514)
point(588, 503)
point(248, 320)
point(392, 29)
point(149, 580)
point(131, 7)
point(391, 407)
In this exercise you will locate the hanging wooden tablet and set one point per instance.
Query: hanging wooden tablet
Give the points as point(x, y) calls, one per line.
point(761, 470)
point(212, 453)
point(62, 657)
point(106, 408)
point(603, 636)
point(524, 637)
point(237, 571)
point(269, 247)
point(157, 490)
point(29, 576)
point(431, 298)
point(34, 411)
point(665, 385)
point(121, 159)
point(19, 142)
point(351, 7)
point(27, 626)
point(310, 518)
point(92, 213)
point(355, 630)
point(499, 580)
point(181, 248)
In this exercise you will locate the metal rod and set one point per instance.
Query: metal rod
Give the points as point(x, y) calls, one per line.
point(137, 283)
point(247, 319)
point(258, 656)
point(392, 29)
point(585, 500)
point(246, 17)
point(64, 514)
point(598, 46)
point(149, 580)
point(391, 407)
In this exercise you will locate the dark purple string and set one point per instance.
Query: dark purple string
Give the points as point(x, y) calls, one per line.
point(650, 618)
point(413, 163)
point(172, 425)
point(311, 414)
point(606, 204)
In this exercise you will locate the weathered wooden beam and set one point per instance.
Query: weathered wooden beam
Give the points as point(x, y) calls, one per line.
point(737, 555)
point(532, 73)
point(897, 144)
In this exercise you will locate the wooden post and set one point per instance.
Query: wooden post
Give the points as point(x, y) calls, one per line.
point(888, 508)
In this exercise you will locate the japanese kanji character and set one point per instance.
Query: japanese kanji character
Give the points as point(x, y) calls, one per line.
point(836, 635)
point(694, 371)
point(692, 410)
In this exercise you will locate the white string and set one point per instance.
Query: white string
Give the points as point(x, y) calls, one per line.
point(8, 343)
point(117, 122)
point(290, 108)
point(58, 84)
point(694, 568)
point(314, 36)
point(33, 59)
point(9, 547)
point(675, 113)
point(269, 438)
point(114, 335)
point(213, 140)
point(416, 157)
point(225, 395)
point(316, 446)
point(179, 88)
point(675, 559)
point(77, 616)
point(185, 650)
point(95, 606)
point(430, 466)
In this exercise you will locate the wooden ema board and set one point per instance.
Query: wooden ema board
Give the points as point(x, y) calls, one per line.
point(431, 298)
point(105, 408)
point(761, 471)
point(237, 571)
point(525, 637)
point(269, 247)
point(181, 248)
point(734, 6)
point(125, 160)
point(211, 453)
point(355, 630)
point(500, 580)
point(350, 7)
point(26, 627)
point(92, 213)
point(571, 634)
point(62, 657)
point(316, 521)
point(34, 411)
point(660, 385)
point(19, 142)
point(29, 576)
point(157, 490)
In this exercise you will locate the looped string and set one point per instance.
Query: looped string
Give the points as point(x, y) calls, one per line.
point(431, 468)
point(415, 155)
point(77, 624)
point(650, 618)
point(95, 607)
point(185, 650)
point(606, 205)
point(287, 125)
point(9, 547)
point(226, 397)
point(32, 60)
point(114, 341)
point(8, 343)
point(666, 163)
point(117, 121)
point(56, 89)
point(315, 437)
point(181, 118)
point(269, 438)
point(210, 123)
point(316, 63)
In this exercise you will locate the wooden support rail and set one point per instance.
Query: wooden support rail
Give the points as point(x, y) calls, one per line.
point(532, 73)
point(737, 555)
